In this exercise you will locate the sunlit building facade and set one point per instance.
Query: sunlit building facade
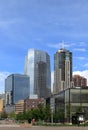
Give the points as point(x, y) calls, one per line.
point(19, 107)
point(37, 67)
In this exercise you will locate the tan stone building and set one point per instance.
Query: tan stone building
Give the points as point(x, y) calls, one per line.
point(1, 104)
point(19, 106)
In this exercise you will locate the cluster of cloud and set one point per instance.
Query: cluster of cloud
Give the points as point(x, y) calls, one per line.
point(81, 45)
point(80, 49)
point(61, 44)
point(80, 58)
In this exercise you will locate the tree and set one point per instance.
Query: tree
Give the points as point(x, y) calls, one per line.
point(59, 116)
point(40, 113)
point(20, 116)
point(41, 110)
point(47, 113)
point(12, 115)
point(4, 114)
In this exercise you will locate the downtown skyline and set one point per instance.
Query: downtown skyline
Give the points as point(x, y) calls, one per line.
point(43, 25)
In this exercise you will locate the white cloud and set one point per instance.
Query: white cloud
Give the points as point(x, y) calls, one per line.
point(4, 24)
point(86, 65)
point(80, 58)
point(80, 49)
point(82, 73)
point(52, 80)
point(3, 76)
point(82, 44)
point(61, 45)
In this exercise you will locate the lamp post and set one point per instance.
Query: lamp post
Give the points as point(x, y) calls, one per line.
point(52, 108)
point(52, 116)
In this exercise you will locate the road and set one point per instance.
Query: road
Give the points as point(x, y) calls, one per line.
point(9, 127)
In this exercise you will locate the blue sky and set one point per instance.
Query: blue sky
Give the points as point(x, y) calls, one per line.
point(42, 24)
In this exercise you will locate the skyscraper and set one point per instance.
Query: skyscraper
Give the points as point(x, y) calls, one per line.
point(37, 66)
point(62, 70)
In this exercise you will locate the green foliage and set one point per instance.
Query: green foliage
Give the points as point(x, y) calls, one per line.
point(79, 109)
point(47, 113)
point(4, 115)
point(68, 110)
point(12, 115)
point(40, 113)
point(58, 116)
point(29, 114)
point(20, 116)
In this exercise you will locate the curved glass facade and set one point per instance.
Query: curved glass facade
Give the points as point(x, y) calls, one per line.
point(37, 66)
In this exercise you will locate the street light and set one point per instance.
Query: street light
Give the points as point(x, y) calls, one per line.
point(52, 116)
point(52, 108)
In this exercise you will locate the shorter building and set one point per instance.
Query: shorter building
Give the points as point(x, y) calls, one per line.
point(19, 107)
point(2, 102)
point(16, 88)
point(32, 103)
point(69, 102)
point(79, 81)
point(2, 105)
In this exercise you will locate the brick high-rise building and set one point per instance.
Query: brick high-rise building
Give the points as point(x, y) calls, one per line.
point(32, 103)
point(79, 81)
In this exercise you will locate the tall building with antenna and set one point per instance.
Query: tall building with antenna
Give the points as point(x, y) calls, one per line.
point(62, 70)
point(37, 66)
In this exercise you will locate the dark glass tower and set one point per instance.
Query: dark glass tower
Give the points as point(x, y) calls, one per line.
point(62, 70)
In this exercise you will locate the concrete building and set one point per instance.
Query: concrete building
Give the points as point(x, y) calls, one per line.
point(16, 88)
point(62, 70)
point(79, 81)
point(37, 66)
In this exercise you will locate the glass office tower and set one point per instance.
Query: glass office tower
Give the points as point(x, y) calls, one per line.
point(62, 70)
point(37, 66)
point(16, 88)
